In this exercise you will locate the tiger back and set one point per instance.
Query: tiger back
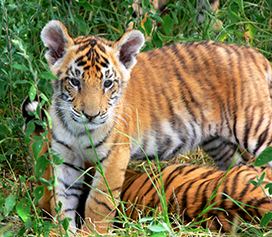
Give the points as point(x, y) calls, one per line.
point(110, 105)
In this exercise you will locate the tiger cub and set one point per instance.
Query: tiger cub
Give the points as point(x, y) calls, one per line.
point(109, 108)
point(188, 189)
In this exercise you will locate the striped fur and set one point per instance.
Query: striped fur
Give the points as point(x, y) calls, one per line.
point(188, 190)
point(173, 99)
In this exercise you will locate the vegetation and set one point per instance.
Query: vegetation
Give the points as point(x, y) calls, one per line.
point(23, 71)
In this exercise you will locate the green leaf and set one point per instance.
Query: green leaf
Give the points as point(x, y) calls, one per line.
point(48, 75)
point(3, 129)
point(266, 219)
point(41, 165)
point(250, 30)
point(269, 186)
point(30, 128)
point(86, 5)
point(159, 235)
point(21, 82)
point(174, 16)
point(157, 40)
point(233, 12)
point(254, 183)
point(158, 19)
point(9, 204)
point(262, 177)
point(43, 96)
point(47, 183)
point(38, 193)
point(148, 25)
point(32, 93)
point(48, 119)
point(2, 158)
point(65, 224)
point(145, 4)
point(23, 209)
point(29, 224)
point(157, 228)
point(264, 158)
point(146, 219)
point(20, 67)
point(167, 24)
point(81, 24)
point(57, 160)
point(37, 148)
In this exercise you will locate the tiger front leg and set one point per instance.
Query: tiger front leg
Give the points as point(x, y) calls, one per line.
point(104, 197)
point(67, 191)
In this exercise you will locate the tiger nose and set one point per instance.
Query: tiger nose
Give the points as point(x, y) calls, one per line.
point(90, 117)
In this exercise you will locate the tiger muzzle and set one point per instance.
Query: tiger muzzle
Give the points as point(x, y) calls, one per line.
point(90, 117)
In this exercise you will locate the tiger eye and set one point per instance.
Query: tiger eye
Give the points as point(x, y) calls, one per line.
point(74, 82)
point(108, 83)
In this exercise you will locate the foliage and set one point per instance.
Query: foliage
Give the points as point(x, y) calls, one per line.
point(25, 72)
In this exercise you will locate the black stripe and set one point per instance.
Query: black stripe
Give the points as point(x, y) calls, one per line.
point(73, 166)
point(102, 203)
point(59, 141)
point(224, 156)
point(62, 117)
point(128, 184)
point(67, 196)
point(81, 48)
point(213, 148)
point(248, 125)
point(74, 186)
point(204, 199)
point(261, 118)
point(261, 139)
point(177, 171)
point(69, 209)
point(235, 180)
point(101, 141)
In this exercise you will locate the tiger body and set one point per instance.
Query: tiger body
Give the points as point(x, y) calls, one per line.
point(174, 99)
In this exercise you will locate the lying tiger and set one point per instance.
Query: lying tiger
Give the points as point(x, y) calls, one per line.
point(188, 190)
point(109, 108)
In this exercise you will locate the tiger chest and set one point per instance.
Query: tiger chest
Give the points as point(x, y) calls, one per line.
point(78, 149)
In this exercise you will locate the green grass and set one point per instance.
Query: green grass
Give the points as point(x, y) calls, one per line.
point(23, 68)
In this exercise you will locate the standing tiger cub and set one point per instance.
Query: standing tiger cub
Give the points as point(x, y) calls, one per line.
point(172, 100)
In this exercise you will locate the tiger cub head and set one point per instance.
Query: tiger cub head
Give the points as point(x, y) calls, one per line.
point(92, 72)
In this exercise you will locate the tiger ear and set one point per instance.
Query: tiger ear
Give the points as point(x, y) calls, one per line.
point(56, 38)
point(128, 46)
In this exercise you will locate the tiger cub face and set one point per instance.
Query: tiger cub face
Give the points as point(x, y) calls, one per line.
point(92, 73)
